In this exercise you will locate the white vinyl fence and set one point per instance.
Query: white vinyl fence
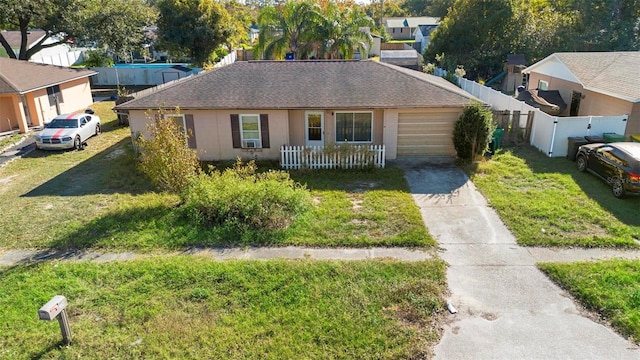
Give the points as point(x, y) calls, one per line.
point(227, 60)
point(319, 157)
point(549, 133)
point(61, 59)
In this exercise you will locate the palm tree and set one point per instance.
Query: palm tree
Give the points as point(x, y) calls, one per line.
point(288, 28)
point(343, 30)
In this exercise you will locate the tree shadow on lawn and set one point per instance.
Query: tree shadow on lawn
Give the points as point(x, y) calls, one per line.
point(157, 226)
point(626, 210)
point(111, 171)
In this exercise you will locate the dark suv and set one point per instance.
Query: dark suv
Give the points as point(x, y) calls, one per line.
point(616, 163)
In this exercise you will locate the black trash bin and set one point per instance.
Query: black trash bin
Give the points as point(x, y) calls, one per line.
point(574, 144)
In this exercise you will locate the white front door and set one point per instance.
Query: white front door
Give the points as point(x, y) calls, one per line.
point(314, 128)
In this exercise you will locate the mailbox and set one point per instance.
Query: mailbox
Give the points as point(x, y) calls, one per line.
point(56, 309)
point(50, 310)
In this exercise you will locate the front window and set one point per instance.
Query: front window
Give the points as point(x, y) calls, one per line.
point(354, 127)
point(178, 120)
point(250, 131)
point(55, 97)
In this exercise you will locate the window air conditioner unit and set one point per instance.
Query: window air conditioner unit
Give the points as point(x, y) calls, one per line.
point(250, 144)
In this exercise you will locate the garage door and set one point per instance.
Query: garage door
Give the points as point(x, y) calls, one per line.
point(426, 134)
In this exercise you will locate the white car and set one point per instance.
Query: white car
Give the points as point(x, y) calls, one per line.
point(68, 131)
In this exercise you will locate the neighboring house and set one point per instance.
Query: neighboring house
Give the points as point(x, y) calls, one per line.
point(254, 33)
point(404, 28)
point(32, 93)
point(593, 83)
point(374, 49)
point(46, 55)
point(422, 35)
point(251, 109)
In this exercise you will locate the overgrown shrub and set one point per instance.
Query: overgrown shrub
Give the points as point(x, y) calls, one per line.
point(164, 155)
point(472, 132)
point(241, 197)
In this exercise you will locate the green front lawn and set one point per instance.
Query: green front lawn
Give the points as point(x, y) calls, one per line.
point(611, 288)
point(548, 202)
point(9, 140)
point(97, 199)
point(191, 307)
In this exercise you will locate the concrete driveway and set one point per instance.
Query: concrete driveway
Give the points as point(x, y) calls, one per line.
point(507, 309)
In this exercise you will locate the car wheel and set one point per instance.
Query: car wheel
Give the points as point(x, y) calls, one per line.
point(98, 130)
point(77, 143)
point(617, 188)
point(582, 163)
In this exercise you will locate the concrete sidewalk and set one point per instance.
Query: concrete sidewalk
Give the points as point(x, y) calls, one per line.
point(23, 256)
point(507, 309)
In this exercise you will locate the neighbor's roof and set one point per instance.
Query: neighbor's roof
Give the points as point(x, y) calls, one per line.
point(399, 54)
point(422, 20)
point(14, 38)
point(425, 30)
point(413, 22)
point(305, 85)
point(19, 76)
point(612, 73)
point(516, 59)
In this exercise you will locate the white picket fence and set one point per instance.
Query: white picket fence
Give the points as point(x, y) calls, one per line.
point(316, 157)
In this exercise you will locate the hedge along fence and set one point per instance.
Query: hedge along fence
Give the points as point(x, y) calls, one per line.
point(332, 156)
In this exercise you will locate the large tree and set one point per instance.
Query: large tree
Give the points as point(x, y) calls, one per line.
point(341, 32)
point(437, 8)
point(289, 28)
point(476, 34)
point(195, 27)
point(115, 24)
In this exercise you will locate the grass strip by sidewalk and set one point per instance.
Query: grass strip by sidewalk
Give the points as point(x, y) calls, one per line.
point(191, 307)
point(610, 288)
point(548, 202)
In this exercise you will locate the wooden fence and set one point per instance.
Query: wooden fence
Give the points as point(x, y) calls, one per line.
point(344, 156)
point(517, 126)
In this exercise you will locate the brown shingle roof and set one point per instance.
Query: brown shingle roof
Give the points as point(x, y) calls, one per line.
point(19, 76)
point(613, 73)
point(14, 38)
point(305, 85)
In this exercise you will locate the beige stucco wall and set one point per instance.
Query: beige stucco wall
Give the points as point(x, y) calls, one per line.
point(8, 120)
point(296, 127)
point(76, 96)
point(593, 103)
point(286, 127)
point(213, 133)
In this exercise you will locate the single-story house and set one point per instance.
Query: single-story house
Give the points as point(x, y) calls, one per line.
point(251, 109)
point(31, 93)
point(593, 83)
point(403, 28)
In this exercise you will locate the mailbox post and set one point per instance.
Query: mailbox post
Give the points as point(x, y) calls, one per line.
point(56, 308)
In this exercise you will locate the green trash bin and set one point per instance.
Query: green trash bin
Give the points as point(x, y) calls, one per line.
point(613, 137)
point(496, 139)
